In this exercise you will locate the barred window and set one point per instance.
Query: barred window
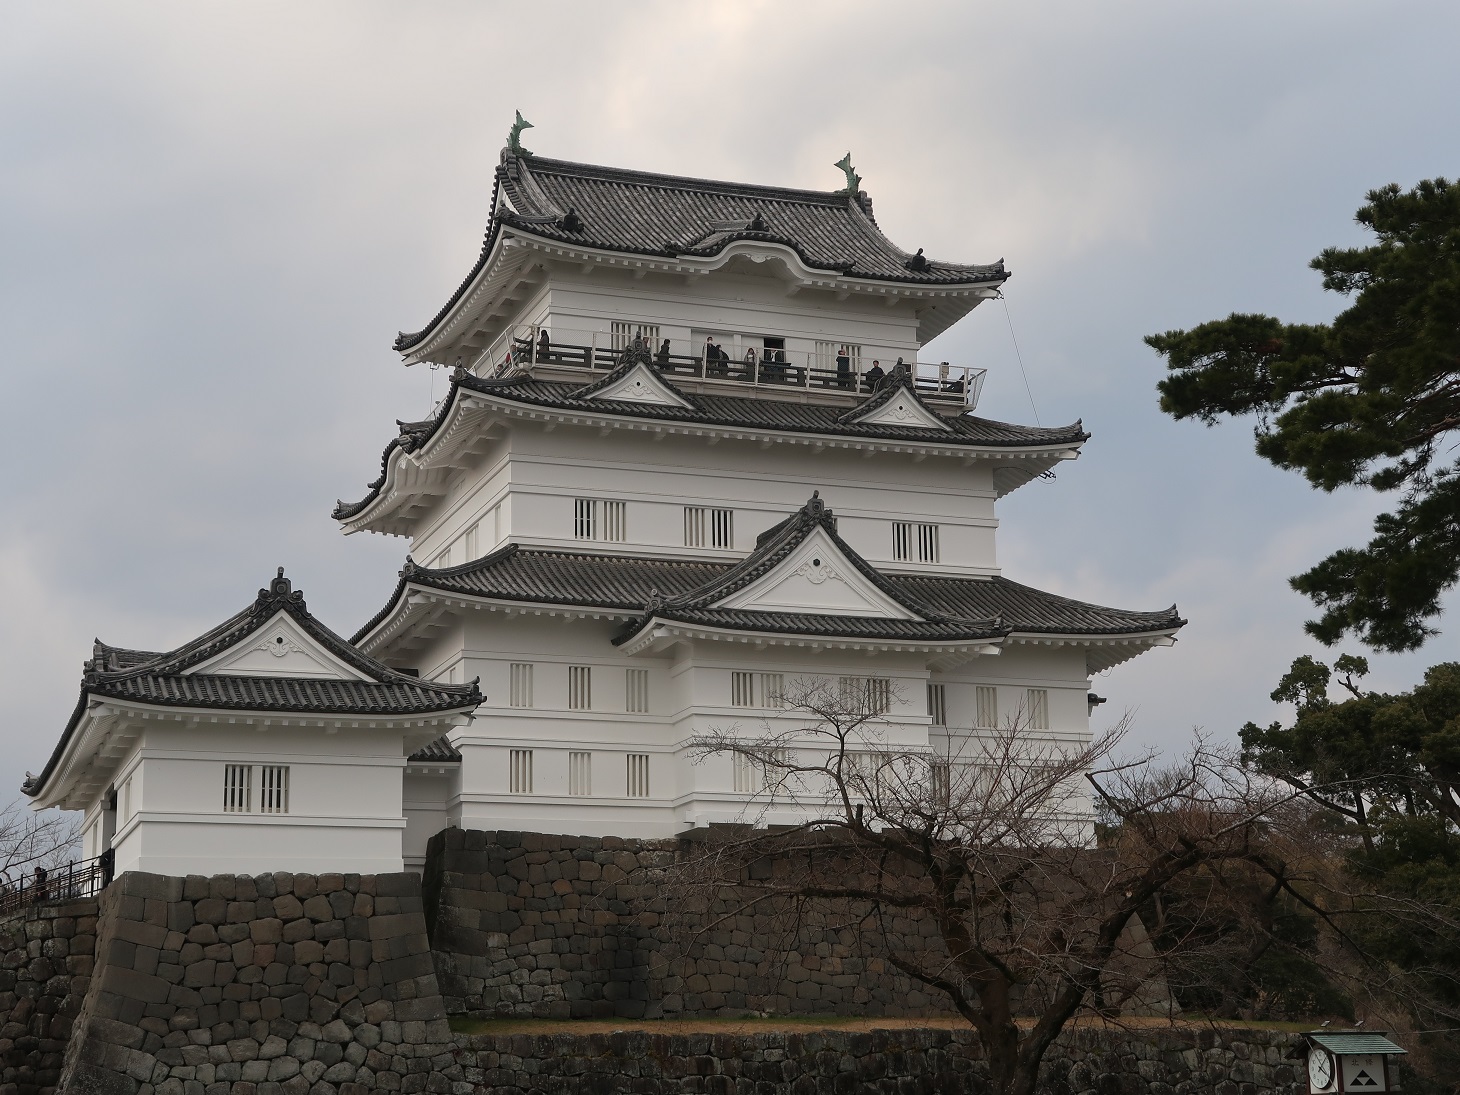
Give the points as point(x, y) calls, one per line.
point(585, 519)
point(772, 689)
point(471, 544)
point(940, 782)
point(705, 526)
point(237, 788)
point(520, 772)
point(638, 775)
point(580, 773)
point(274, 789)
point(636, 691)
point(624, 333)
point(519, 694)
point(867, 695)
point(742, 689)
point(615, 521)
point(580, 687)
point(986, 706)
point(911, 541)
point(747, 774)
point(1037, 704)
point(938, 704)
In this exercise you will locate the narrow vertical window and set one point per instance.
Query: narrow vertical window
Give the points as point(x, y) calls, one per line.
point(772, 689)
point(940, 781)
point(1037, 703)
point(638, 775)
point(471, 544)
point(938, 704)
point(986, 706)
point(722, 528)
point(747, 774)
point(580, 687)
point(868, 695)
point(623, 333)
point(274, 789)
point(636, 691)
point(902, 536)
point(520, 777)
point(126, 810)
point(585, 519)
point(580, 773)
point(519, 693)
point(237, 788)
point(742, 689)
point(927, 543)
point(615, 521)
point(694, 526)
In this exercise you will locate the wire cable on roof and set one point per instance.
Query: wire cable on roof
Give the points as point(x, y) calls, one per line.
point(1020, 358)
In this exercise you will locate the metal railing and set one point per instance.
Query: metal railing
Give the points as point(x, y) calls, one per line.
point(846, 369)
point(76, 880)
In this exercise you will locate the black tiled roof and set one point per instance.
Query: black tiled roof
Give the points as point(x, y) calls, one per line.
point(163, 678)
point(439, 751)
point(635, 212)
point(949, 608)
point(729, 411)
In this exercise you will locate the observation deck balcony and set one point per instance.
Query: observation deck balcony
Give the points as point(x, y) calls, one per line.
point(841, 376)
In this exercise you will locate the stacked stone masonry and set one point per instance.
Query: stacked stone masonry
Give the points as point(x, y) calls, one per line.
point(46, 956)
point(930, 1062)
point(525, 924)
point(271, 985)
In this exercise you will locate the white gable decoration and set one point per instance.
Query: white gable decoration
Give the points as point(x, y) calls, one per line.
point(281, 649)
point(641, 384)
point(903, 410)
point(818, 578)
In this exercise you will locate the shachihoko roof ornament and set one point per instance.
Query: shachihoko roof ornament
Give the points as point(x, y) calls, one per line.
point(514, 138)
point(854, 181)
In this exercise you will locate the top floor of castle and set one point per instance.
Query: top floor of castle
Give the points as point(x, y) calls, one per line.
point(740, 289)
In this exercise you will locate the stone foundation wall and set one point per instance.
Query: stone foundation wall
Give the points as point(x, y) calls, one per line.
point(46, 956)
point(275, 985)
point(1083, 1062)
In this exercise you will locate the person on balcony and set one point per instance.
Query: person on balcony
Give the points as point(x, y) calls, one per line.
point(662, 357)
point(844, 368)
point(873, 376)
point(544, 347)
point(750, 363)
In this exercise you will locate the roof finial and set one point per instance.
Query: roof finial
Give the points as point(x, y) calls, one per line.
point(514, 138)
point(815, 507)
point(854, 181)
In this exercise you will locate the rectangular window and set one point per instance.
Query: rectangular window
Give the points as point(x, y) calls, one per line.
point(986, 707)
point(471, 544)
point(580, 773)
point(585, 519)
point(1037, 704)
point(940, 782)
point(638, 775)
point(615, 521)
point(705, 526)
point(580, 687)
point(867, 695)
point(742, 689)
point(912, 541)
point(841, 358)
point(520, 691)
point(126, 810)
point(636, 691)
point(747, 774)
point(520, 772)
point(237, 788)
point(938, 704)
point(927, 543)
point(772, 689)
point(625, 333)
point(274, 789)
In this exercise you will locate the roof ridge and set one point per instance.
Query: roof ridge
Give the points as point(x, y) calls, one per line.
point(683, 182)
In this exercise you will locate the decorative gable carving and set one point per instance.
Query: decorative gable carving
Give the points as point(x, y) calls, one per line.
point(279, 649)
point(642, 384)
point(816, 578)
point(901, 409)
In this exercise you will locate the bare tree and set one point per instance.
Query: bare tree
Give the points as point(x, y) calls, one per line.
point(990, 838)
point(30, 840)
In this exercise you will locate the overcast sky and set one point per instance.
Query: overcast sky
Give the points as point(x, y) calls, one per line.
point(214, 219)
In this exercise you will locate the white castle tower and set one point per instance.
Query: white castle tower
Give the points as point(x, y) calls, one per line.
point(689, 455)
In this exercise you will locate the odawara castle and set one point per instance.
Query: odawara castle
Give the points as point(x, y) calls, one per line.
point(691, 453)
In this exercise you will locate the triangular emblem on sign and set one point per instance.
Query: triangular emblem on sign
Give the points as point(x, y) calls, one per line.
point(1363, 1079)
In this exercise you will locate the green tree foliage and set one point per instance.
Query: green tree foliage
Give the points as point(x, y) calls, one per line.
point(1371, 399)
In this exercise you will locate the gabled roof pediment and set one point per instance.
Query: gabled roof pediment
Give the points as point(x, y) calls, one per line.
point(640, 383)
point(816, 577)
point(280, 648)
point(896, 403)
